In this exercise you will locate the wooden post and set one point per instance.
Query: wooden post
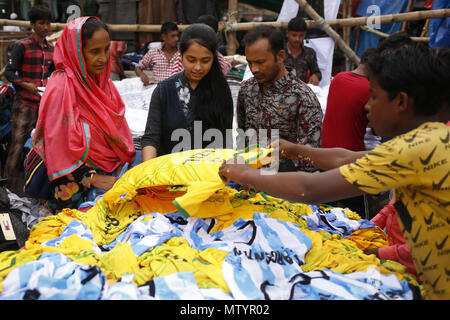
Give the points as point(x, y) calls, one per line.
point(385, 35)
point(357, 36)
point(326, 27)
point(232, 20)
point(408, 9)
point(344, 29)
point(425, 28)
point(347, 12)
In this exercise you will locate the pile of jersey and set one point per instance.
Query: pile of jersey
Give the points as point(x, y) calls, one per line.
point(171, 229)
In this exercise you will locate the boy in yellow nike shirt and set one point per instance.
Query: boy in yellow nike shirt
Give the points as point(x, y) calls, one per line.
point(407, 93)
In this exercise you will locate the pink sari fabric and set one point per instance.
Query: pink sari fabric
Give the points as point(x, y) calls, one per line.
point(79, 121)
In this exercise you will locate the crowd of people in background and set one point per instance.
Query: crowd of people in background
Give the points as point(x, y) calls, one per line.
point(82, 140)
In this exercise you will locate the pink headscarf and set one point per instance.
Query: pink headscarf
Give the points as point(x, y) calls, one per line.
point(79, 121)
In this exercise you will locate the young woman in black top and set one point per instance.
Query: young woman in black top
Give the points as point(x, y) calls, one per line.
point(185, 106)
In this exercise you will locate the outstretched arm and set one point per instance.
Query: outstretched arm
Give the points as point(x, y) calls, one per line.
point(302, 187)
point(322, 158)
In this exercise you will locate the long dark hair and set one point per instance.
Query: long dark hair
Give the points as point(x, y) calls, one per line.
point(215, 107)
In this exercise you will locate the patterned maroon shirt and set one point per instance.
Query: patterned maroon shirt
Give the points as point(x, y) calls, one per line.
point(289, 105)
point(303, 63)
point(31, 63)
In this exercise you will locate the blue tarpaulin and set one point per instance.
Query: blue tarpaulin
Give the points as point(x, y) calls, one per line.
point(366, 9)
point(439, 29)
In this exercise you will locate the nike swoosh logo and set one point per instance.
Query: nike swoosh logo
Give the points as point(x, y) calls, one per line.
point(409, 140)
point(404, 215)
point(424, 261)
point(395, 164)
point(445, 140)
point(437, 186)
point(428, 159)
point(435, 282)
point(358, 185)
point(371, 153)
point(358, 165)
point(382, 174)
point(417, 235)
point(428, 221)
point(439, 246)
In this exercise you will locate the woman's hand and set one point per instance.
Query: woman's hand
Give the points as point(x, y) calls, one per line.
point(102, 181)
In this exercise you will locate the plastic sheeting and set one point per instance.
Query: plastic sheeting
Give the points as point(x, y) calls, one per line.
point(439, 29)
point(369, 8)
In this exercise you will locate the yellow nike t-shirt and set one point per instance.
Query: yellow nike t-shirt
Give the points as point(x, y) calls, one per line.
point(417, 166)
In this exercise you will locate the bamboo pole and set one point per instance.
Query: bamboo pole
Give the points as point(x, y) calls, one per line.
point(344, 31)
point(347, 12)
point(359, 21)
point(391, 18)
point(425, 28)
point(323, 25)
point(385, 35)
point(245, 26)
point(408, 9)
point(357, 36)
point(231, 33)
point(350, 10)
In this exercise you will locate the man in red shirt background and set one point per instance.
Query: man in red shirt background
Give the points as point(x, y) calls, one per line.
point(345, 120)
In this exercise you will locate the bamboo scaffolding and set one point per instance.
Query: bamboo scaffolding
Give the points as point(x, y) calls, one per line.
point(347, 12)
point(323, 25)
point(245, 26)
point(408, 9)
point(391, 18)
point(385, 35)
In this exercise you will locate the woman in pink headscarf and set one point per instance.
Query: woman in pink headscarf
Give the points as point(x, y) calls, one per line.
point(81, 132)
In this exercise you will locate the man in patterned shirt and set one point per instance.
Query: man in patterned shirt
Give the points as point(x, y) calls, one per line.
point(29, 68)
point(163, 58)
point(298, 57)
point(275, 98)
